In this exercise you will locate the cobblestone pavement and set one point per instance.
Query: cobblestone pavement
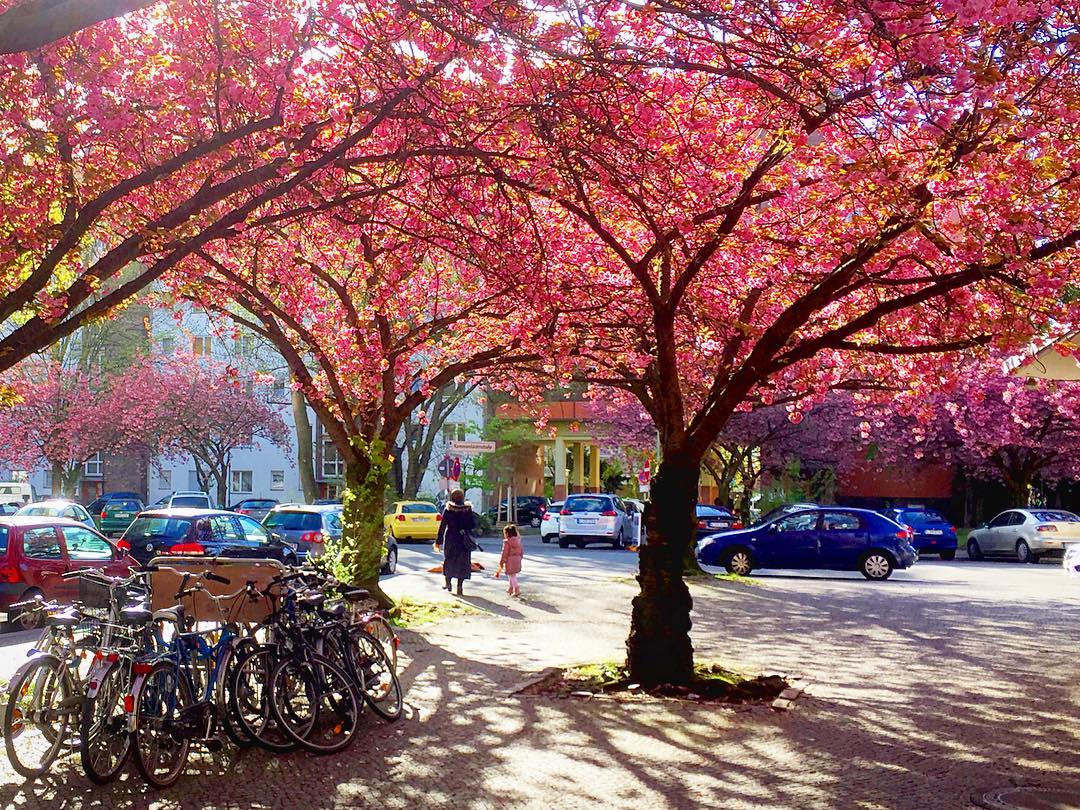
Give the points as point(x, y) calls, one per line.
point(950, 679)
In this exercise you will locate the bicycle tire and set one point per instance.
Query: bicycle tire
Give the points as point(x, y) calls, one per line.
point(327, 690)
point(234, 728)
point(43, 686)
point(104, 741)
point(383, 632)
point(249, 704)
point(159, 699)
point(378, 679)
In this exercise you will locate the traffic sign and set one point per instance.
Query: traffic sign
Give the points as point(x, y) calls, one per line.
point(463, 447)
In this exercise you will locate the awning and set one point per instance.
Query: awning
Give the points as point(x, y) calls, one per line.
point(1049, 363)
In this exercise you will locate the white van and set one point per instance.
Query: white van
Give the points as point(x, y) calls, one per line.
point(20, 492)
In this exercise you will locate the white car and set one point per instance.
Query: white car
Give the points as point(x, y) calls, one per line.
point(1025, 535)
point(595, 518)
point(185, 500)
point(58, 508)
point(549, 522)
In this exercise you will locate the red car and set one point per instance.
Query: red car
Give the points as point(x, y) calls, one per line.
point(36, 551)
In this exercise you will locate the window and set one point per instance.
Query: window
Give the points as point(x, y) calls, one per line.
point(253, 532)
point(71, 513)
point(839, 522)
point(419, 509)
point(277, 480)
point(144, 528)
point(332, 521)
point(241, 480)
point(92, 466)
point(280, 393)
point(201, 346)
point(244, 345)
point(294, 521)
point(224, 528)
point(1063, 517)
point(42, 544)
point(1001, 520)
point(164, 478)
point(83, 544)
point(48, 481)
point(802, 522)
point(453, 431)
point(587, 504)
point(332, 465)
point(167, 345)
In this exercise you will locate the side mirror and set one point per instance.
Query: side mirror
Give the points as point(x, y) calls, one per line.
point(984, 525)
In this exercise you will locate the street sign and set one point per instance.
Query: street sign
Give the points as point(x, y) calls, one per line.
point(463, 447)
point(455, 469)
point(444, 467)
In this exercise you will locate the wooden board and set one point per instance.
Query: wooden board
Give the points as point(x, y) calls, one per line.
point(165, 584)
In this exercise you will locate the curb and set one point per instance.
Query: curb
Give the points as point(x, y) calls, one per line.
point(534, 679)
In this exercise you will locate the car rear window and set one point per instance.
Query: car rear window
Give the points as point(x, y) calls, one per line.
point(1065, 517)
point(294, 521)
point(921, 517)
point(259, 504)
point(712, 511)
point(145, 528)
point(587, 504)
point(419, 509)
point(192, 501)
point(125, 506)
point(332, 521)
point(40, 511)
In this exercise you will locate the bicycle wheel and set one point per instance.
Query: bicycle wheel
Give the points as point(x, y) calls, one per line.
point(104, 742)
point(40, 711)
point(249, 703)
point(159, 754)
point(380, 629)
point(231, 720)
point(315, 702)
point(379, 680)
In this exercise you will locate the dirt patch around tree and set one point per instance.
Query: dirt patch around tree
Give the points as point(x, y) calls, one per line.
point(711, 684)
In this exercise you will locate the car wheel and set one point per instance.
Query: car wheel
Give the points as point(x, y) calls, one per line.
point(391, 561)
point(535, 522)
point(973, 550)
point(618, 541)
point(28, 620)
point(739, 562)
point(546, 538)
point(580, 544)
point(876, 565)
point(564, 543)
point(1023, 552)
point(948, 555)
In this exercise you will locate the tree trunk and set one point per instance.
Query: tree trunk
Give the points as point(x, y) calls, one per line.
point(362, 537)
point(658, 648)
point(304, 461)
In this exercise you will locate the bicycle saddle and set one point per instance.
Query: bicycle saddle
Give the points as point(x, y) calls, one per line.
point(169, 614)
point(135, 615)
point(335, 611)
point(357, 594)
point(313, 599)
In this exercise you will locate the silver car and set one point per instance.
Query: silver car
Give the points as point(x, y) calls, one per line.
point(1025, 535)
point(58, 508)
point(599, 518)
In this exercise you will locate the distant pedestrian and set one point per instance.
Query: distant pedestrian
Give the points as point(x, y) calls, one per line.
point(510, 562)
point(455, 540)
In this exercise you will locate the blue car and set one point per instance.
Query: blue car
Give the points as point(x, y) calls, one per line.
point(933, 533)
point(830, 537)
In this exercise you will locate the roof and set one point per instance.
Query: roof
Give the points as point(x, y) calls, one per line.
point(308, 507)
point(39, 520)
point(184, 512)
point(59, 503)
point(429, 503)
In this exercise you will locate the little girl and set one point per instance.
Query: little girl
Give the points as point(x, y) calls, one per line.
point(510, 561)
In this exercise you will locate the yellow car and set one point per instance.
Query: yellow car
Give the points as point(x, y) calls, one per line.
point(412, 520)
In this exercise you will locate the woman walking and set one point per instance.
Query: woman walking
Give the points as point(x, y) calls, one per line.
point(455, 540)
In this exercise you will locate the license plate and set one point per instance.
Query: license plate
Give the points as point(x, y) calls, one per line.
point(934, 531)
point(586, 521)
point(715, 524)
point(419, 520)
point(121, 515)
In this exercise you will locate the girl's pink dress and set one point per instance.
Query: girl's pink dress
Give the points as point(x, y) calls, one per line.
point(512, 553)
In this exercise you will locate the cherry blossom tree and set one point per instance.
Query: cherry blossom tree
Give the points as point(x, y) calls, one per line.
point(777, 201)
point(206, 410)
point(143, 139)
point(59, 418)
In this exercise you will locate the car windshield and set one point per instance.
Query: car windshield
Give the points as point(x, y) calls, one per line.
point(921, 517)
point(419, 509)
point(712, 511)
point(192, 501)
point(1056, 516)
point(41, 510)
point(587, 505)
point(143, 528)
point(294, 521)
